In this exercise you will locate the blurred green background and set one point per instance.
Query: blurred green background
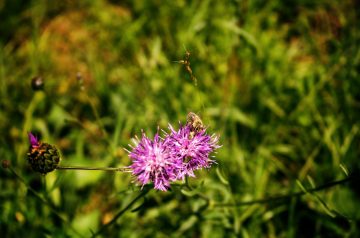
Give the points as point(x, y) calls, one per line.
point(277, 80)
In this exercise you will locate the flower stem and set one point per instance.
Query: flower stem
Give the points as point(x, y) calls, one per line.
point(45, 202)
point(110, 169)
point(288, 196)
point(121, 212)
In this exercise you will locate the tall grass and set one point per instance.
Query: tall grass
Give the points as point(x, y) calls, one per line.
point(278, 81)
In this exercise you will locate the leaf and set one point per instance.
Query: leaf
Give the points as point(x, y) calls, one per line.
point(83, 221)
point(274, 107)
point(138, 208)
point(188, 193)
point(237, 115)
point(188, 224)
point(344, 169)
point(311, 181)
point(221, 176)
point(326, 208)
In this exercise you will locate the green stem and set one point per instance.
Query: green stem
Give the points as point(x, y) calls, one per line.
point(73, 119)
point(286, 197)
point(121, 212)
point(97, 117)
point(44, 201)
point(110, 169)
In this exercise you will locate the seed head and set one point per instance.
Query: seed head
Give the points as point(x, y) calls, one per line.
point(37, 83)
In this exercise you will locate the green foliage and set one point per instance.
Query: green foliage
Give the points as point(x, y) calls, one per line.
point(277, 80)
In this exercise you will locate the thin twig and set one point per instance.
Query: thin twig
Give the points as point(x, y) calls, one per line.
point(103, 228)
point(44, 201)
point(110, 169)
point(285, 197)
point(97, 116)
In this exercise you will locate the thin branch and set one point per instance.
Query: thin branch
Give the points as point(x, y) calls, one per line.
point(110, 169)
point(286, 197)
point(44, 201)
point(121, 212)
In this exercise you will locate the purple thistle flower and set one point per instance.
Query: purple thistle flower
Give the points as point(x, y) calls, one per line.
point(193, 150)
point(154, 162)
point(34, 142)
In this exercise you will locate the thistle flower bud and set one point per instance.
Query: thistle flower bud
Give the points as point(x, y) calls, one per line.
point(42, 157)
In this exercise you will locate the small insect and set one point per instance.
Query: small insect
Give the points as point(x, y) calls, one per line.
point(195, 124)
point(186, 63)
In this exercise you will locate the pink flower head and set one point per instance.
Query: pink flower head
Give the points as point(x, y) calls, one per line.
point(194, 151)
point(153, 162)
point(34, 142)
point(179, 154)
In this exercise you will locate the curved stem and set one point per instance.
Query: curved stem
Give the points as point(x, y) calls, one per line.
point(110, 169)
point(121, 212)
point(285, 197)
point(97, 116)
point(73, 119)
point(45, 202)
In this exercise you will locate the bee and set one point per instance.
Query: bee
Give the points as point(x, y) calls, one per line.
point(186, 63)
point(195, 123)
